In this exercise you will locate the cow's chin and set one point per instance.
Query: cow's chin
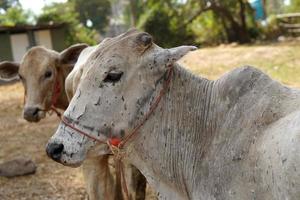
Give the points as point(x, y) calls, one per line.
point(77, 159)
point(71, 161)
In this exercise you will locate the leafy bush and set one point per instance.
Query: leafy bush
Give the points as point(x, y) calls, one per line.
point(207, 29)
point(160, 22)
point(14, 16)
point(270, 30)
point(65, 13)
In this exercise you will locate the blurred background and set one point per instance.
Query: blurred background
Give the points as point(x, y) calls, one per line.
point(230, 33)
point(172, 22)
point(263, 33)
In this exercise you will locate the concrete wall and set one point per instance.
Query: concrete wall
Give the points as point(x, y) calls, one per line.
point(58, 39)
point(43, 38)
point(5, 47)
point(14, 46)
point(20, 44)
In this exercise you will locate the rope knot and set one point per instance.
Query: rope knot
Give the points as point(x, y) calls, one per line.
point(114, 142)
point(115, 147)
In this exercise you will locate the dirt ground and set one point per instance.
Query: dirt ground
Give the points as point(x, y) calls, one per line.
point(56, 182)
point(20, 138)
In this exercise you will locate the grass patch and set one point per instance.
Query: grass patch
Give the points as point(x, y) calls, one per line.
point(281, 61)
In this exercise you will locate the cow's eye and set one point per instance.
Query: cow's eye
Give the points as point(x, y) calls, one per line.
point(48, 74)
point(113, 76)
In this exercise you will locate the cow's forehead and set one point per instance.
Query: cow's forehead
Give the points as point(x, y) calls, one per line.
point(38, 59)
point(124, 44)
point(125, 37)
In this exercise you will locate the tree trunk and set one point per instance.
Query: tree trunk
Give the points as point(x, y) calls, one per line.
point(244, 32)
point(235, 31)
point(227, 30)
point(243, 14)
point(133, 12)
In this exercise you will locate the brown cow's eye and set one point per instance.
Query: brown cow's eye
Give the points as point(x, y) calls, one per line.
point(113, 76)
point(48, 74)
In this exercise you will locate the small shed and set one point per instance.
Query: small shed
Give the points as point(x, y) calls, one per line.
point(289, 23)
point(16, 40)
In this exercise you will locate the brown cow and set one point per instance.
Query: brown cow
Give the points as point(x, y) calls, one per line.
point(43, 73)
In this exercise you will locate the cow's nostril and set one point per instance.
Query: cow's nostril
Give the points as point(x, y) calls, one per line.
point(55, 150)
point(31, 113)
point(35, 111)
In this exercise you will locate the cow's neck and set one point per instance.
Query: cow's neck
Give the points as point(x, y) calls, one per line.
point(62, 73)
point(174, 139)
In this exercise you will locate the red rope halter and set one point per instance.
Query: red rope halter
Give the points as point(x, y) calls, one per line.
point(116, 144)
point(56, 92)
point(55, 96)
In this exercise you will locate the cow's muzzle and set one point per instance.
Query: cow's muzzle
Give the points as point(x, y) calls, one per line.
point(33, 114)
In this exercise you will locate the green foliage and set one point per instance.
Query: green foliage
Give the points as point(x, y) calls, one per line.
point(96, 11)
point(171, 22)
point(14, 16)
point(204, 21)
point(65, 13)
point(274, 7)
point(270, 31)
point(6, 4)
point(133, 12)
point(294, 7)
point(159, 19)
point(207, 29)
point(237, 20)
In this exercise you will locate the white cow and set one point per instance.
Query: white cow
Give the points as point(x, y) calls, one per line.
point(136, 181)
point(234, 138)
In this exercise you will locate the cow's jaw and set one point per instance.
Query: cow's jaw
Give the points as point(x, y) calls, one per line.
point(76, 147)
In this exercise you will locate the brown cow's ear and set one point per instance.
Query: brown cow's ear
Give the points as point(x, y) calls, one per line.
point(71, 54)
point(9, 70)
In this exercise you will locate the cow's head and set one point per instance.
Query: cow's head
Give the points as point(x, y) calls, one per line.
point(39, 71)
point(119, 80)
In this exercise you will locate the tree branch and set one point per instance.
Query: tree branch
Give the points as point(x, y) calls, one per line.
point(199, 12)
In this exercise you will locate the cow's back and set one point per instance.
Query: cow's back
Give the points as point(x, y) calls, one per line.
point(255, 151)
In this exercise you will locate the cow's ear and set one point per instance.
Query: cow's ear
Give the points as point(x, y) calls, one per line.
point(174, 54)
point(71, 54)
point(167, 57)
point(9, 70)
